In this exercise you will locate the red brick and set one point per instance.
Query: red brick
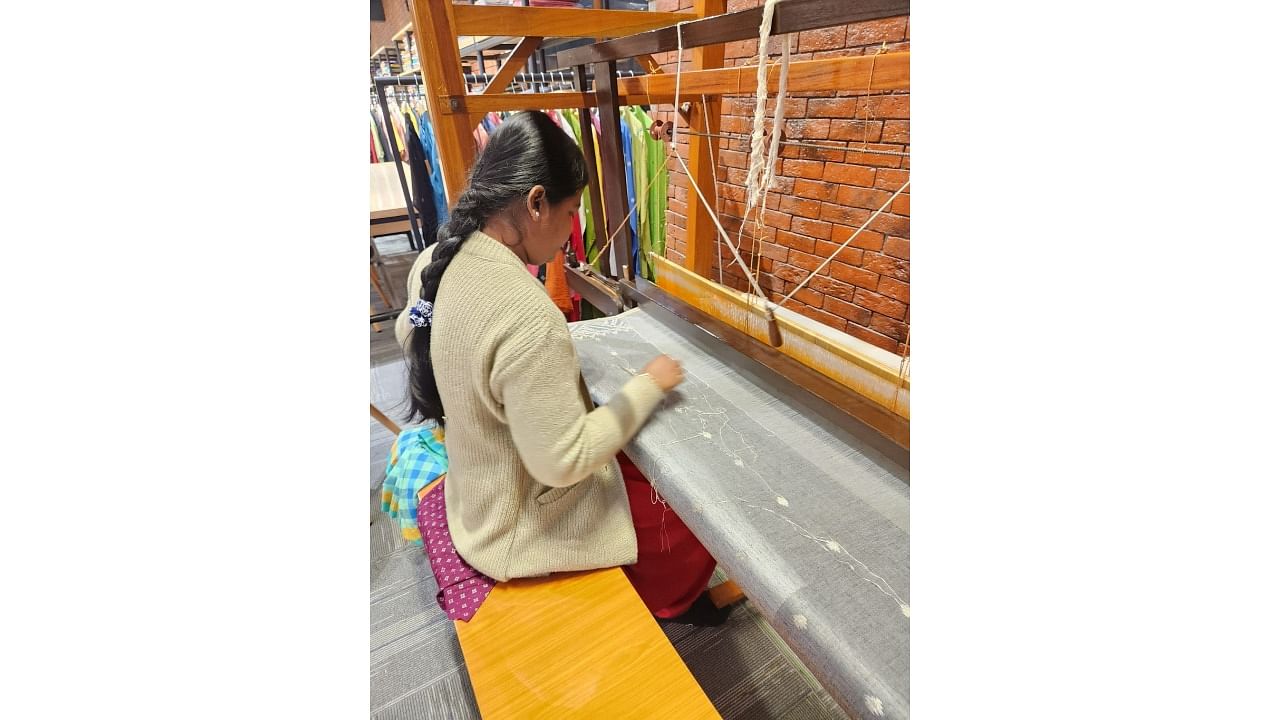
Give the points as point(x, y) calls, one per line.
point(881, 304)
point(797, 242)
point(783, 184)
point(872, 337)
point(877, 31)
point(802, 169)
point(866, 240)
point(815, 190)
point(832, 38)
point(737, 193)
point(844, 215)
point(887, 266)
point(734, 124)
point(850, 254)
point(882, 107)
point(896, 131)
point(776, 219)
point(832, 287)
point(741, 49)
point(856, 130)
point(897, 290)
point(848, 174)
point(897, 247)
point(862, 197)
point(848, 311)
point(825, 318)
point(832, 107)
point(735, 176)
point(770, 250)
point(889, 179)
point(808, 297)
point(799, 206)
point(805, 261)
point(902, 206)
point(789, 272)
point(815, 129)
point(892, 225)
point(733, 158)
point(853, 275)
point(812, 228)
point(888, 326)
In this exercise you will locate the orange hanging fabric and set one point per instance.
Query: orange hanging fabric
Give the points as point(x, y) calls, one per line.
point(558, 284)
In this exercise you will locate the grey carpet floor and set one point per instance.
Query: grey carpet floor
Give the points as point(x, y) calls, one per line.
point(416, 670)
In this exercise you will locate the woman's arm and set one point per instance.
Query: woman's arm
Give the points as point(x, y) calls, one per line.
point(536, 379)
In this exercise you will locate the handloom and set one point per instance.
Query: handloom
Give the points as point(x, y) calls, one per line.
point(810, 519)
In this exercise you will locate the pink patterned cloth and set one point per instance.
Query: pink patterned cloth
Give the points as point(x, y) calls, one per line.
point(462, 587)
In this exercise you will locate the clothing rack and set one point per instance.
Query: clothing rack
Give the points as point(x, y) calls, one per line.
point(416, 240)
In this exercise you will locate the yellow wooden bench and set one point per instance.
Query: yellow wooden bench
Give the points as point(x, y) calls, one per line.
point(574, 645)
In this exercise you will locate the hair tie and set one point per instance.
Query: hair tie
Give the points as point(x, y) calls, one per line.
point(420, 313)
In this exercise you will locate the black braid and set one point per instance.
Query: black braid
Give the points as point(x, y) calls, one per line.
point(528, 149)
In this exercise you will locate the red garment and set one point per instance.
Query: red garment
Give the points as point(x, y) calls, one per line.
point(671, 571)
point(673, 568)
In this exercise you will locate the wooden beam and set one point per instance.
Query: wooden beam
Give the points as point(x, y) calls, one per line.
point(512, 64)
point(558, 22)
point(849, 74)
point(613, 179)
point(527, 101)
point(704, 152)
point(649, 64)
point(788, 17)
point(442, 70)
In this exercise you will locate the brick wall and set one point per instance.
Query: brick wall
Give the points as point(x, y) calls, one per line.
point(820, 196)
point(398, 13)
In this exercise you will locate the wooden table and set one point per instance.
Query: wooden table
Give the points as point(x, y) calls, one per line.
point(387, 212)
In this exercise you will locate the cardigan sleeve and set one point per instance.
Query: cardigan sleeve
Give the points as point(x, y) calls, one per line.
point(536, 380)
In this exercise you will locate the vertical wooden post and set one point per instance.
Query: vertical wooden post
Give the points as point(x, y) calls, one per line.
point(433, 22)
point(613, 179)
point(589, 154)
point(704, 154)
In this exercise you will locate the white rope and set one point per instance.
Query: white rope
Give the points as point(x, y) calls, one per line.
point(756, 186)
point(855, 234)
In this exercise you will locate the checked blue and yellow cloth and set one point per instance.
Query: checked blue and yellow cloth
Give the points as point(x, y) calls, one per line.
point(417, 458)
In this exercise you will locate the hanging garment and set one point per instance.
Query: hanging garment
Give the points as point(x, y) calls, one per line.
point(420, 459)
point(639, 181)
point(373, 150)
point(628, 170)
point(379, 134)
point(423, 194)
point(657, 152)
point(558, 284)
point(428, 138)
point(584, 210)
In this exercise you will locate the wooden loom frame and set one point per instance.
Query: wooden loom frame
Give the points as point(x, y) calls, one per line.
point(861, 387)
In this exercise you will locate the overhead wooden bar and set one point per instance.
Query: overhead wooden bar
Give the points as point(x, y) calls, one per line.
point(851, 74)
point(510, 66)
point(500, 20)
point(789, 16)
point(892, 72)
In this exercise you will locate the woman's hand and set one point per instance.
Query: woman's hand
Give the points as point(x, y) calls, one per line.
point(665, 371)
